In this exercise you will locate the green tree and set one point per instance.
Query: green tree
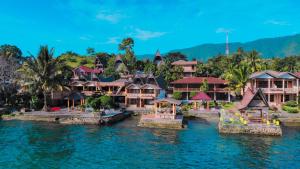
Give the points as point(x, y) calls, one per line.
point(174, 56)
point(239, 78)
point(129, 59)
point(172, 74)
point(204, 86)
point(90, 51)
point(43, 73)
point(110, 69)
point(149, 67)
point(11, 51)
point(253, 59)
point(177, 95)
point(106, 101)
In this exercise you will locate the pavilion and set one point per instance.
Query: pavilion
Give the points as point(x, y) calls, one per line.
point(201, 97)
point(74, 98)
point(254, 105)
point(165, 108)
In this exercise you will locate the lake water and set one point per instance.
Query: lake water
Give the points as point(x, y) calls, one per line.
point(123, 145)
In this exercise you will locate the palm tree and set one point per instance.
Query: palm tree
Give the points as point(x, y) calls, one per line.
point(239, 78)
point(43, 73)
point(253, 59)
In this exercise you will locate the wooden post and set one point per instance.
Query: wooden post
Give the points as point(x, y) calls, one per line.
point(73, 104)
point(283, 95)
point(174, 111)
point(68, 104)
point(195, 105)
point(207, 105)
point(297, 95)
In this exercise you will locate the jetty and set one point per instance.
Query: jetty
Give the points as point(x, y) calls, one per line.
point(164, 116)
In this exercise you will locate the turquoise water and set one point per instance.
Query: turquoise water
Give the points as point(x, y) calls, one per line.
point(44, 145)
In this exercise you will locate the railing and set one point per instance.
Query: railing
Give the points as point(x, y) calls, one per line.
point(288, 90)
point(198, 89)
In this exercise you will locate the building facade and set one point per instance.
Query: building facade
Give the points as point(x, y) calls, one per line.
point(189, 67)
point(278, 87)
point(217, 88)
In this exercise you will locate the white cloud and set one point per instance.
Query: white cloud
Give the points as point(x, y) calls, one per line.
point(277, 22)
point(112, 17)
point(85, 38)
point(113, 40)
point(145, 34)
point(224, 30)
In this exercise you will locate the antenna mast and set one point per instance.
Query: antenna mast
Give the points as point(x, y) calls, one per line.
point(227, 44)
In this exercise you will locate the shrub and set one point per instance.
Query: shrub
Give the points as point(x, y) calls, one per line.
point(290, 109)
point(193, 94)
point(177, 95)
point(106, 101)
point(291, 104)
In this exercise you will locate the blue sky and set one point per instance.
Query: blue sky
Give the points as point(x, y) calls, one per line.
point(74, 25)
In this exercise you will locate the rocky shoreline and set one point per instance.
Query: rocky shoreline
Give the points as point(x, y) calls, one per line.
point(70, 118)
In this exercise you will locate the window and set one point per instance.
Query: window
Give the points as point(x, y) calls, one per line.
point(262, 84)
point(272, 98)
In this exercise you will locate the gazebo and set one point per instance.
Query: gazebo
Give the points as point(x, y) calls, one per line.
point(75, 97)
point(254, 105)
point(201, 96)
point(166, 108)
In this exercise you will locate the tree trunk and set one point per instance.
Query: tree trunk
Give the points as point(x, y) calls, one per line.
point(45, 108)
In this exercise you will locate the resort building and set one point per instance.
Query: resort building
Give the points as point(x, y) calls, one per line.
point(278, 87)
point(217, 88)
point(189, 67)
point(85, 73)
point(143, 90)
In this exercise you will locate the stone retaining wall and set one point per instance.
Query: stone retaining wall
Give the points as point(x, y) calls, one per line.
point(250, 129)
point(154, 123)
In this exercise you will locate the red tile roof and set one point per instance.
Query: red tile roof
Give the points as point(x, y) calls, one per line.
point(201, 96)
point(297, 74)
point(198, 80)
point(89, 70)
point(183, 62)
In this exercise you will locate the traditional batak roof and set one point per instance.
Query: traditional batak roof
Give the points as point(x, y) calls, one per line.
point(169, 100)
point(151, 86)
point(183, 62)
point(253, 99)
point(201, 96)
point(198, 80)
point(273, 74)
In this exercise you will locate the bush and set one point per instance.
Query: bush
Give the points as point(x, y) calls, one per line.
point(290, 109)
point(291, 104)
point(106, 101)
point(177, 95)
point(193, 94)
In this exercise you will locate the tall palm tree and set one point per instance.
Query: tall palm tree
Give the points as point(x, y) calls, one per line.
point(43, 73)
point(240, 77)
point(253, 59)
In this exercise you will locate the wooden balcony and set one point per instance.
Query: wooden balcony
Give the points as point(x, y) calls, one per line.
point(280, 90)
point(198, 90)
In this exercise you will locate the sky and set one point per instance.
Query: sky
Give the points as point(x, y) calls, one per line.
point(75, 25)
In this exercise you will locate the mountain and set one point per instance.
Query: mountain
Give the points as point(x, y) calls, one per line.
point(268, 47)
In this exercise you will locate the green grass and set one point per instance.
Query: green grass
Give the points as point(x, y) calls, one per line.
point(227, 106)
